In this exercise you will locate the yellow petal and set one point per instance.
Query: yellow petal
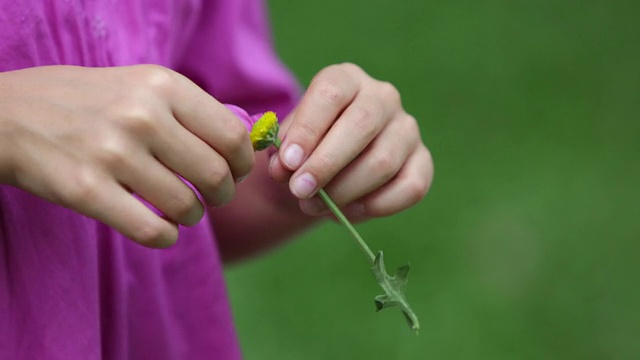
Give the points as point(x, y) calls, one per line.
point(264, 130)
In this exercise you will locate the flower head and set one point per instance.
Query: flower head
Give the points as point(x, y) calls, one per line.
point(265, 131)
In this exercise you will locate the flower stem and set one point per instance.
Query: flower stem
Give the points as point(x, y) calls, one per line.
point(341, 217)
point(393, 286)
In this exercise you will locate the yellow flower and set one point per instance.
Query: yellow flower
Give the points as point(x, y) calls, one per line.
point(265, 131)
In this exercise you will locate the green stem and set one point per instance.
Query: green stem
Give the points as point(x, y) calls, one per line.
point(341, 217)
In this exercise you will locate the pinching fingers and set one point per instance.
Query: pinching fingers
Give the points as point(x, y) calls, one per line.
point(329, 94)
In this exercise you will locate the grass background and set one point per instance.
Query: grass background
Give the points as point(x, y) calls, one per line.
point(527, 246)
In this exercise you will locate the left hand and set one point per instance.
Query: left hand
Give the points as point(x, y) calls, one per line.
point(351, 135)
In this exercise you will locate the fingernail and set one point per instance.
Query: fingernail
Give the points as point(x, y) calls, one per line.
point(292, 156)
point(313, 206)
point(271, 161)
point(304, 185)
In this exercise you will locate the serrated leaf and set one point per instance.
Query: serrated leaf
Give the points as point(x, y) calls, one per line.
point(394, 290)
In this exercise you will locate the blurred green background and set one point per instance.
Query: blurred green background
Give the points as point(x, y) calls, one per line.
point(527, 246)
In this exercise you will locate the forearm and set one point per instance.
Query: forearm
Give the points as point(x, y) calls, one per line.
point(5, 173)
point(7, 146)
point(262, 215)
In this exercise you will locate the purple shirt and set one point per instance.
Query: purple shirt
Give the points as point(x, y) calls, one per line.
point(71, 287)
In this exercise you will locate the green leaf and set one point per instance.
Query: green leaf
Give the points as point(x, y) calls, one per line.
point(394, 290)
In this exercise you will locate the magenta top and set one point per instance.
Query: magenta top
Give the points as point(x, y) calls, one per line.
point(71, 287)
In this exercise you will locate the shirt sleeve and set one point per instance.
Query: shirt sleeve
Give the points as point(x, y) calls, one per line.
point(231, 55)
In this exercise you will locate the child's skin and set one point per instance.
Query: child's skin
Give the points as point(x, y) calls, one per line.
point(87, 137)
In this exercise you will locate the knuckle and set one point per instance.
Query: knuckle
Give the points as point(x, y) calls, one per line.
point(150, 233)
point(377, 209)
point(364, 120)
point(411, 124)
point(140, 120)
point(184, 204)
point(328, 165)
point(408, 126)
point(214, 176)
point(329, 91)
point(306, 131)
point(416, 189)
point(113, 152)
point(85, 183)
point(238, 150)
point(131, 112)
point(237, 136)
point(135, 118)
point(349, 67)
point(155, 77)
point(386, 164)
point(390, 92)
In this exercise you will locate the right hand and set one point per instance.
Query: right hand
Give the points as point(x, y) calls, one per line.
point(87, 138)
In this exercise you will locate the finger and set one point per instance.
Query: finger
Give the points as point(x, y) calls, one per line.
point(159, 186)
point(120, 210)
point(277, 170)
point(107, 201)
point(380, 162)
point(206, 118)
point(194, 160)
point(352, 132)
point(330, 92)
point(65, 178)
point(405, 190)
point(131, 163)
point(285, 123)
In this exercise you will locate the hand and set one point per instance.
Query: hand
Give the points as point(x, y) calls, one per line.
point(87, 138)
point(350, 135)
